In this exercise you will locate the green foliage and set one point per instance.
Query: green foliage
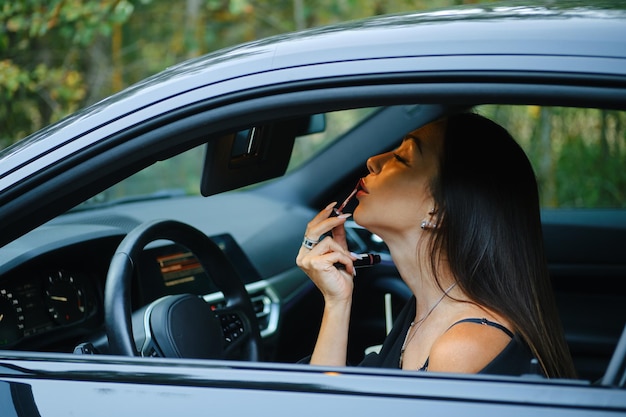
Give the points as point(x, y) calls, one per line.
point(44, 47)
point(578, 154)
point(591, 161)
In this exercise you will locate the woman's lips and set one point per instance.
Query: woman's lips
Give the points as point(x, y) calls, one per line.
point(339, 210)
point(361, 188)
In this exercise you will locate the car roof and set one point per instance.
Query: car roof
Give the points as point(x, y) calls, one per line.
point(555, 29)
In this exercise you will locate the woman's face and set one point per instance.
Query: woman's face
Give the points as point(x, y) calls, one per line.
point(395, 195)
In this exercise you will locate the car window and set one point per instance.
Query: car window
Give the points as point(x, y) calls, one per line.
point(337, 123)
point(577, 153)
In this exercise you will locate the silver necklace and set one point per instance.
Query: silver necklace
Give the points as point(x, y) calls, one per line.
point(417, 324)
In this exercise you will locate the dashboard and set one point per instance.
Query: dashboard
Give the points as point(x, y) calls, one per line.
point(55, 299)
point(52, 279)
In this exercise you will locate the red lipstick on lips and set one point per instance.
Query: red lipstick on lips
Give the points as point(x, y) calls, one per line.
point(361, 187)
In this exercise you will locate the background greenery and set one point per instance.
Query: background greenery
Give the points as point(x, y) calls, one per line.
point(57, 56)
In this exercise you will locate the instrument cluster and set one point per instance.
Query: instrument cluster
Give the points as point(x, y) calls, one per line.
point(44, 301)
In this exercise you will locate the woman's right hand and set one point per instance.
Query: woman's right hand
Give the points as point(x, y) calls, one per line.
point(318, 262)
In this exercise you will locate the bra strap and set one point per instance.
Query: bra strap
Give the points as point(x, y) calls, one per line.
point(486, 322)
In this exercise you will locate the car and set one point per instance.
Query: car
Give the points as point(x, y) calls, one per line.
point(190, 191)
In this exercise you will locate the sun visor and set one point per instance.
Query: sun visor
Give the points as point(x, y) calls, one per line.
point(252, 155)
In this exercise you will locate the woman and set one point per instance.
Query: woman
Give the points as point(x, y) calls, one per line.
point(457, 205)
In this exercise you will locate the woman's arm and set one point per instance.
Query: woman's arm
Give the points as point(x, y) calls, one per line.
point(335, 284)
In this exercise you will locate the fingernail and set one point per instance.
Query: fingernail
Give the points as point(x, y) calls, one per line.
point(356, 255)
point(331, 205)
point(344, 215)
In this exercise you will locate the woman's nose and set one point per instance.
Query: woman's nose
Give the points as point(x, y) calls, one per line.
point(374, 163)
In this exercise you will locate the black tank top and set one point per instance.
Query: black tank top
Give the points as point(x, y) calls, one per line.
point(514, 359)
point(477, 321)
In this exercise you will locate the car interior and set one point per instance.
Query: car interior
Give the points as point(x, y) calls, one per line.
point(250, 191)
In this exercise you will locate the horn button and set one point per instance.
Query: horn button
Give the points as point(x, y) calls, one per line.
point(185, 326)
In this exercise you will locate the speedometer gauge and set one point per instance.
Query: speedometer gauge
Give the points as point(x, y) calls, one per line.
point(65, 297)
point(11, 319)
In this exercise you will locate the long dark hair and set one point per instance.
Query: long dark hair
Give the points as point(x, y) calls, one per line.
point(490, 231)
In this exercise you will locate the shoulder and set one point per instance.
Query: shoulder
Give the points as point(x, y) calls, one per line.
point(467, 347)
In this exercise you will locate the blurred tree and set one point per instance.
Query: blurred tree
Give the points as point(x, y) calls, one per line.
point(47, 53)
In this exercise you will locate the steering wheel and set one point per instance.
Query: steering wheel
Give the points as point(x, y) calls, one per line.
point(181, 325)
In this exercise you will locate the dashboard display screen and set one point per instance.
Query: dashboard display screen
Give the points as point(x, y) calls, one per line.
point(180, 268)
point(169, 270)
point(173, 269)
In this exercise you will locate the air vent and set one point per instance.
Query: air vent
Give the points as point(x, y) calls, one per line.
point(262, 307)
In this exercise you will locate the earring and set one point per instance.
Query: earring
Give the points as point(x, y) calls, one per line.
point(428, 225)
point(425, 224)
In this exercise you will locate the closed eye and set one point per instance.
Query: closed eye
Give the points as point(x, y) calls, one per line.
point(400, 159)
